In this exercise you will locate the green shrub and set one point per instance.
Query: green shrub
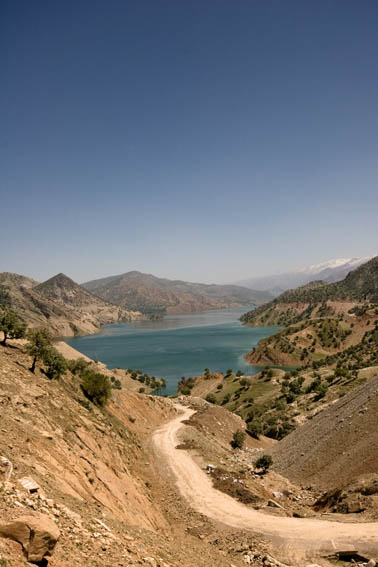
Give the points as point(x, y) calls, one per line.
point(117, 384)
point(264, 463)
point(211, 399)
point(77, 366)
point(56, 364)
point(96, 387)
point(238, 439)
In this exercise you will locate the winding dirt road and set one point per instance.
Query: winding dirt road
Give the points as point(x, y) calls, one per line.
point(296, 537)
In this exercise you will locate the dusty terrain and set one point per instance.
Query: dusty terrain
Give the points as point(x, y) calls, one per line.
point(338, 445)
point(296, 537)
point(97, 479)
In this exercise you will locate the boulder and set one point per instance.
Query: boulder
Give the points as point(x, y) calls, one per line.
point(37, 535)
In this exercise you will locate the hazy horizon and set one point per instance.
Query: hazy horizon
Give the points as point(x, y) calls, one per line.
point(207, 142)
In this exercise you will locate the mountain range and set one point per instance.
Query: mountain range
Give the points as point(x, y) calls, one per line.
point(152, 295)
point(329, 272)
point(69, 309)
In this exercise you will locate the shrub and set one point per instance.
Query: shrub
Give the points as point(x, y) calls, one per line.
point(77, 366)
point(264, 463)
point(96, 387)
point(211, 399)
point(56, 364)
point(141, 390)
point(238, 439)
point(226, 399)
point(117, 384)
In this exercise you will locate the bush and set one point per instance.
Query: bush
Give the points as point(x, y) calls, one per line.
point(238, 439)
point(211, 399)
point(264, 463)
point(56, 364)
point(77, 366)
point(226, 399)
point(117, 384)
point(11, 325)
point(96, 387)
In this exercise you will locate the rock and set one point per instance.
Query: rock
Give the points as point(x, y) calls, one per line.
point(37, 535)
point(277, 494)
point(6, 469)
point(29, 483)
point(371, 563)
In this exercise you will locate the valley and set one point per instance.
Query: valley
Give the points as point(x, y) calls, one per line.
point(261, 466)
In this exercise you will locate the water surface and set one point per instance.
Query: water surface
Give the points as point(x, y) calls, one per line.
point(178, 345)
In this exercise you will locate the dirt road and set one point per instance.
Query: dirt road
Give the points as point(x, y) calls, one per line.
point(296, 537)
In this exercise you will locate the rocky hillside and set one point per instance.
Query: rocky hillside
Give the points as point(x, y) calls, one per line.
point(59, 304)
point(152, 295)
point(359, 286)
point(337, 446)
point(82, 483)
point(319, 319)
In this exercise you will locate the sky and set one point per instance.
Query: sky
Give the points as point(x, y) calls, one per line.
point(208, 140)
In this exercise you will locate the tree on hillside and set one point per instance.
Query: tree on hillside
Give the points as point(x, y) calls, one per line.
point(96, 387)
point(264, 463)
point(40, 343)
point(11, 325)
point(238, 439)
point(56, 364)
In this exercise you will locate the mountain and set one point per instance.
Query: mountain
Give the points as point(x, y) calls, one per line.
point(150, 294)
point(330, 271)
point(60, 304)
point(320, 319)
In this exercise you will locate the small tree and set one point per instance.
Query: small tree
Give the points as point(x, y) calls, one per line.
point(238, 439)
point(11, 325)
point(264, 463)
point(56, 364)
point(40, 342)
point(96, 387)
point(211, 399)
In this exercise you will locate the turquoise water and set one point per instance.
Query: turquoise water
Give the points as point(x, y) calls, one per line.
point(178, 345)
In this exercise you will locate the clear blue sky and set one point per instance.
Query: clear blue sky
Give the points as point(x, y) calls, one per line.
point(203, 140)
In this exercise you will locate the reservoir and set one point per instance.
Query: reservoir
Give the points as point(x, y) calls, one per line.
point(176, 346)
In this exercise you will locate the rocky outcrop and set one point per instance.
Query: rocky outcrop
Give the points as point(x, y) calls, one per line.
point(37, 535)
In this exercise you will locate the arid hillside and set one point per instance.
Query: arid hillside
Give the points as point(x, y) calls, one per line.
point(152, 295)
point(320, 319)
point(59, 304)
point(90, 471)
point(338, 446)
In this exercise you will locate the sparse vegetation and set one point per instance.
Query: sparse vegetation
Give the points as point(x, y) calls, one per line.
point(238, 439)
point(264, 463)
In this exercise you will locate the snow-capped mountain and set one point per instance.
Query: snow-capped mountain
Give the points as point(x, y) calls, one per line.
point(331, 271)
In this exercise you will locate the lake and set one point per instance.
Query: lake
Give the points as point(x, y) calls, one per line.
point(176, 346)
